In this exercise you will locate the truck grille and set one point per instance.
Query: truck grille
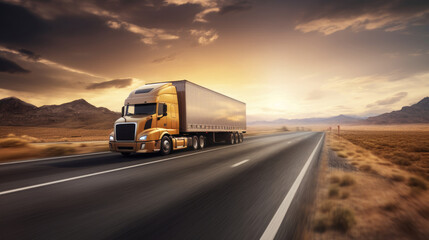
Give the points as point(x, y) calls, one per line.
point(125, 132)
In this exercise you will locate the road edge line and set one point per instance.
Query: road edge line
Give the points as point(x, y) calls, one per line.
point(275, 223)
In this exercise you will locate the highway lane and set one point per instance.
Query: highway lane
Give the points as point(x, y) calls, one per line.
point(222, 192)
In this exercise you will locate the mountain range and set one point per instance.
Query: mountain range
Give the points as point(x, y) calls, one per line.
point(416, 113)
point(75, 114)
point(81, 114)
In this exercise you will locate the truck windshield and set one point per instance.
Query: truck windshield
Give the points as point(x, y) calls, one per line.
point(141, 109)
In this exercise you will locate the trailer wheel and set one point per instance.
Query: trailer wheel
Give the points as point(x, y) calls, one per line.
point(236, 138)
point(165, 145)
point(194, 142)
point(202, 142)
point(230, 139)
point(240, 137)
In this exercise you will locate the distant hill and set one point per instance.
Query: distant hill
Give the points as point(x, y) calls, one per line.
point(416, 113)
point(340, 119)
point(75, 114)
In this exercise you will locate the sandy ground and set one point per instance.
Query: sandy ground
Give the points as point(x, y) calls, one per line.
point(363, 196)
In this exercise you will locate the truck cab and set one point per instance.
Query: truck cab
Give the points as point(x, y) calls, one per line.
point(149, 113)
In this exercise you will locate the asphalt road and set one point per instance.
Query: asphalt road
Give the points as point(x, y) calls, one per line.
point(259, 189)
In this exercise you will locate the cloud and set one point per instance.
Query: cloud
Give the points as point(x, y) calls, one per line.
point(358, 15)
point(236, 7)
point(204, 37)
point(388, 101)
point(168, 58)
point(200, 17)
point(29, 54)
point(148, 35)
point(11, 67)
point(204, 3)
point(115, 83)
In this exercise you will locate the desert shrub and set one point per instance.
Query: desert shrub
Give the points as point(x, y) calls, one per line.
point(417, 183)
point(342, 219)
point(83, 145)
point(13, 142)
point(30, 139)
point(11, 135)
point(345, 195)
point(419, 149)
point(333, 191)
point(406, 225)
point(347, 180)
point(365, 168)
point(334, 179)
point(350, 153)
point(402, 162)
point(336, 149)
point(53, 151)
point(326, 206)
point(397, 178)
point(341, 155)
point(320, 224)
point(403, 158)
point(359, 151)
point(390, 207)
point(424, 212)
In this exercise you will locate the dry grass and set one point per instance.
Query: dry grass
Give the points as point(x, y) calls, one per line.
point(379, 195)
point(45, 134)
point(19, 148)
point(407, 149)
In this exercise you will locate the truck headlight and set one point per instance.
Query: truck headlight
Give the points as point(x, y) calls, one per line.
point(143, 138)
point(111, 138)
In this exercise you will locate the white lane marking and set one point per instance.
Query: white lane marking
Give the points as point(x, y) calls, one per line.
point(273, 227)
point(51, 158)
point(90, 154)
point(109, 171)
point(239, 163)
point(112, 170)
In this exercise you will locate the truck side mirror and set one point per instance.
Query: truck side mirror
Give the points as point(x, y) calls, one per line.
point(122, 111)
point(164, 110)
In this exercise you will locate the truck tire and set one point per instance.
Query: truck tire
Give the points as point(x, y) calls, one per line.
point(240, 137)
point(201, 142)
point(235, 138)
point(165, 145)
point(230, 139)
point(194, 142)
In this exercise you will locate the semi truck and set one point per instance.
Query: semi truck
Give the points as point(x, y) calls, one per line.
point(166, 116)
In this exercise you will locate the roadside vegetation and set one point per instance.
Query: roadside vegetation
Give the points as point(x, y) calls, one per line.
point(14, 147)
point(366, 191)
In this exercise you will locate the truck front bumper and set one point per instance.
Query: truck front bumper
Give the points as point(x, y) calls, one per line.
point(140, 147)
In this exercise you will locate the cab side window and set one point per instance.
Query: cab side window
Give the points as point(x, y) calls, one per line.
point(160, 109)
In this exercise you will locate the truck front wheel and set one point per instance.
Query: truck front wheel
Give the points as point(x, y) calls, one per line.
point(165, 145)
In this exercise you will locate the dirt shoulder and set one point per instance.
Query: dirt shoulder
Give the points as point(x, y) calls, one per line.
point(362, 195)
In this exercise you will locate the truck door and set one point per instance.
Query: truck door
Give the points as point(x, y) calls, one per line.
point(162, 119)
point(173, 117)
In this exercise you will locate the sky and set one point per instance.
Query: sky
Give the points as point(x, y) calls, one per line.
point(284, 59)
